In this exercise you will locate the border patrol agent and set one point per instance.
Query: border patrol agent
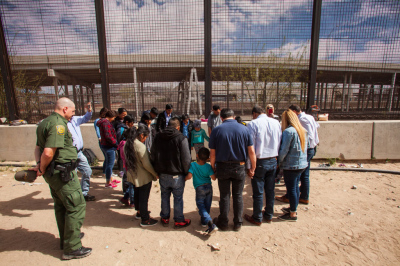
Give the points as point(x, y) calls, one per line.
point(56, 161)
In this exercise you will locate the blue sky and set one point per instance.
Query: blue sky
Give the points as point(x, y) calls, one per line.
point(350, 30)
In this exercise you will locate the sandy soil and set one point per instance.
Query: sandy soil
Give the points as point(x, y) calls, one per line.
point(340, 226)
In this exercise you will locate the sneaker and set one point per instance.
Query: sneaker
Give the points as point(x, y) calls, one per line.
point(250, 219)
point(114, 175)
point(149, 222)
point(286, 217)
point(212, 230)
point(124, 201)
point(304, 201)
point(121, 174)
point(282, 199)
point(111, 185)
point(116, 181)
point(164, 222)
point(89, 198)
point(286, 210)
point(185, 223)
point(77, 254)
point(138, 216)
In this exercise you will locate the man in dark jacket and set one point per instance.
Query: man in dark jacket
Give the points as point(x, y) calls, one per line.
point(171, 160)
point(187, 127)
point(164, 118)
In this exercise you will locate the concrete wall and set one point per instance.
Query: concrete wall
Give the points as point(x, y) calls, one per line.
point(345, 139)
point(338, 139)
point(387, 140)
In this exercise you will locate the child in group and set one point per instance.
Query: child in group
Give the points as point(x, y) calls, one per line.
point(128, 189)
point(201, 172)
point(198, 136)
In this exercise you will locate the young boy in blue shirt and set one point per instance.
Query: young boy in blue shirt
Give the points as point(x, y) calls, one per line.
point(201, 172)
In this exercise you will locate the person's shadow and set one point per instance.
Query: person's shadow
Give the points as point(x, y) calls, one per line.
point(25, 203)
point(22, 239)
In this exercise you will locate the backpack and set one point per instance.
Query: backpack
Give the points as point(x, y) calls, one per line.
point(91, 157)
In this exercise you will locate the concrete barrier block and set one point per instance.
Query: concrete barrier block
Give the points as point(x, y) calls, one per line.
point(348, 139)
point(386, 142)
point(18, 143)
point(90, 139)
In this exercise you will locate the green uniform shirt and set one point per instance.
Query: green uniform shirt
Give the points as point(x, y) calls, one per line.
point(53, 132)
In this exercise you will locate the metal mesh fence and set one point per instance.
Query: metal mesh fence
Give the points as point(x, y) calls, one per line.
point(155, 54)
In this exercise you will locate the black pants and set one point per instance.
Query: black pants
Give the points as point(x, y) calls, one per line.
point(230, 174)
point(141, 198)
point(120, 163)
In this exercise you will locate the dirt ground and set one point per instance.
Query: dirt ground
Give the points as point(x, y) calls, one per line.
point(340, 226)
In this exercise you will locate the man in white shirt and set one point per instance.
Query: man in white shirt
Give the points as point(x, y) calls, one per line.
point(308, 122)
point(266, 133)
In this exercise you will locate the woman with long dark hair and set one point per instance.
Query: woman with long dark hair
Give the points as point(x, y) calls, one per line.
point(108, 145)
point(140, 172)
point(293, 160)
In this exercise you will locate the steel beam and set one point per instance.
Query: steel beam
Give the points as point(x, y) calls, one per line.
point(207, 57)
point(316, 22)
point(392, 92)
point(101, 37)
point(60, 76)
point(7, 77)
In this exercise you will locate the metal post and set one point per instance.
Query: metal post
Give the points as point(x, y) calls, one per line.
point(13, 112)
point(326, 95)
point(66, 92)
point(343, 91)
point(82, 108)
point(142, 90)
point(196, 82)
point(190, 91)
point(74, 95)
point(207, 56)
point(391, 92)
point(316, 21)
point(380, 96)
point(348, 91)
point(241, 102)
point(135, 92)
point(93, 105)
point(55, 84)
point(265, 96)
point(256, 85)
point(318, 90)
point(227, 94)
point(87, 95)
point(101, 37)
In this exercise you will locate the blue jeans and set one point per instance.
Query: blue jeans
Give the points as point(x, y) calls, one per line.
point(104, 166)
point(204, 194)
point(264, 179)
point(176, 186)
point(305, 177)
point(109, 160)
point(292, 179)
point(84, 168)
point(130, 193)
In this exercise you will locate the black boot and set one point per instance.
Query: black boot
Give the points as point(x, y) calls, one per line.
point(77, 254)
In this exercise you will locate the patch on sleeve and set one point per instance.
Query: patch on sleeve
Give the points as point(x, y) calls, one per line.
point(60, 130)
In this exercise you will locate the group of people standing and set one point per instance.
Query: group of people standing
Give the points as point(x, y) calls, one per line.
point(159, 148)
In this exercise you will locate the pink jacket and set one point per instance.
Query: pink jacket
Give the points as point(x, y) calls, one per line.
point(121, 149)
